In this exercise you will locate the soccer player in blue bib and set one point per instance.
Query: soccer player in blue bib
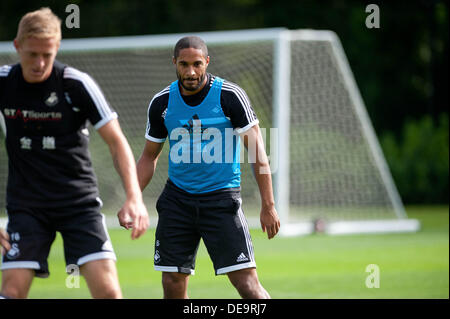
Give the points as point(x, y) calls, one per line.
point(45, 106)
point(205, 118)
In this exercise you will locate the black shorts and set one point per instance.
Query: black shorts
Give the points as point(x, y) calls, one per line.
point(218, 219)
point(33, 230)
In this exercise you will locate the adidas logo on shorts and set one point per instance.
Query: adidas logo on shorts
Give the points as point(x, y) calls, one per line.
point(241, 257)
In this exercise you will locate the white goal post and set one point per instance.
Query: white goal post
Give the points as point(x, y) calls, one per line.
point(329, 172)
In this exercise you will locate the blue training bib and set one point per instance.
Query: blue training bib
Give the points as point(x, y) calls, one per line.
point(204, 150)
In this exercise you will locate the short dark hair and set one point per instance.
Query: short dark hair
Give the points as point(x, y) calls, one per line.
point(190, 42)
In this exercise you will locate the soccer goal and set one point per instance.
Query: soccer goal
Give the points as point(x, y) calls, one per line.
point(329, 172)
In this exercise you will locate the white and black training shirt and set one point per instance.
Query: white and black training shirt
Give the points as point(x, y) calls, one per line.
point(49, 163)
point(234, 101)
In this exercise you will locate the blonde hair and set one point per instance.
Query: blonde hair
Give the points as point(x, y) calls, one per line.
point(42, 24)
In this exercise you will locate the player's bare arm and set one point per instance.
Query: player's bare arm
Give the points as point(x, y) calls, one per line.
point(4, 241)
point(4, 237)
point(146, 164)
point(133, 213)
point(253, 142)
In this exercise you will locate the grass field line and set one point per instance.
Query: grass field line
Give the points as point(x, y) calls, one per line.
point(303, 228)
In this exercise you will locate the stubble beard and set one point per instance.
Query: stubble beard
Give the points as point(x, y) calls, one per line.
point(191, 88)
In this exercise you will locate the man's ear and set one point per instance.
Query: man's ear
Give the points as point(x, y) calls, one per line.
point(16, 45)
point(174, 61)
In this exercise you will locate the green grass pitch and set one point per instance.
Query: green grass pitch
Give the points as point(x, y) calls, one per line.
point(412, 265)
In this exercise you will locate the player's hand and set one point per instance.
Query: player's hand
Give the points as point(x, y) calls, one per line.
point(4, 241)
point(134, 215)
point(270, 222)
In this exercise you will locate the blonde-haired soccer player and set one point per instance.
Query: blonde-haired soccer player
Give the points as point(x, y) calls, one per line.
point(51, 183)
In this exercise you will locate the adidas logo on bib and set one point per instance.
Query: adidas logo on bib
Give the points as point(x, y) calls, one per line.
point(241, 257)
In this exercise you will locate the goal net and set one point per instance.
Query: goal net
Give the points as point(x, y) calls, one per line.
point(329, 173)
